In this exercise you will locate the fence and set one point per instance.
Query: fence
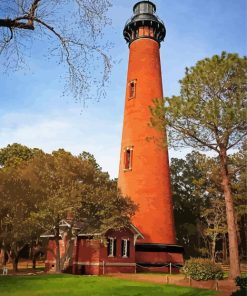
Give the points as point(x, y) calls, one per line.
point(169, 265)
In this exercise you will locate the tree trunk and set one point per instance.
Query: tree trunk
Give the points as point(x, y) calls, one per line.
point(243, 228)
point(58, 267)
point(67, 256)
point(5, 258)
point(224, 250)
point(230, 217)
point(213, 249)
point(15, 264)
point(35, 252)
point(34, 262)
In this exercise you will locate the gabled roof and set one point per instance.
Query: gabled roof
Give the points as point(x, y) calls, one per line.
point(64, 223)
point(136, 231)
point(81, 225)
point(47, 234)
point(132, 228)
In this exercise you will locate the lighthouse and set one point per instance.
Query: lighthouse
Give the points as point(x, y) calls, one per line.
point(144, 173)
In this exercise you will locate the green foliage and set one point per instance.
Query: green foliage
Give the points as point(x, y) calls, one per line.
point(199, 207)
point(90, 158)
point(187, 201)
point(239, 293)
point(238, 170)
point(211, 109)
point(17, 203)
point(37, 192)
point(213, 224)
point(241, 282)
point(210, 114)
point(196, 190)
point(202, 269)
point(15, 153)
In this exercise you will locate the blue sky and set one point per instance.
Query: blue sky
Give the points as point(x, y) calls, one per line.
point(33, 112)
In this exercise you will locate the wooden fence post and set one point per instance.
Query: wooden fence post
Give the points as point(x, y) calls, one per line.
point(216, 285)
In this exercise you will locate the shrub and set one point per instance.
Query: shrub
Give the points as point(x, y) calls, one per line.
point(239, 293)
point(241, 282)
point(202, 269)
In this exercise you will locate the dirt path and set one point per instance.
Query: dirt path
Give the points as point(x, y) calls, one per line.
point(225, 287)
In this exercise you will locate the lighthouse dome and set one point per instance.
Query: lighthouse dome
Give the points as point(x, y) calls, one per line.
point(144, 7)
point(144, 20)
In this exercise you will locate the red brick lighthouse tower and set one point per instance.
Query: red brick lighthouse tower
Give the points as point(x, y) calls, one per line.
point(144, 166)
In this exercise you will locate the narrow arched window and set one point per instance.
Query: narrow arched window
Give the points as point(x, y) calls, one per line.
point(132, 89)
point(125, 248)
point(128, 158)
point(112, 247)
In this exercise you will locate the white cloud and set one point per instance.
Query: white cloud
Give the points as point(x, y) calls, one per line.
point(91, 132)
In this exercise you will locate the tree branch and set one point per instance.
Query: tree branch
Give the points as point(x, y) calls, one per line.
point(234, 171)
point(9, 23)
point(17, 22)
point(191, 135)
point(32, 11)
point(236, 142)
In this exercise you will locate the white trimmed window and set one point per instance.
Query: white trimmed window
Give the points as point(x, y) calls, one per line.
point(128, 156)
point(132, 89)
point(112, 247)
point(125, 248)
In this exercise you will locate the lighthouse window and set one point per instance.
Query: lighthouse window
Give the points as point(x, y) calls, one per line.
point(128, 158)
point(125, 248)
point(132, 89)
point(112, 247)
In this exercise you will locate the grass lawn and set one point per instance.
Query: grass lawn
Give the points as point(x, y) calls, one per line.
point(67, 285)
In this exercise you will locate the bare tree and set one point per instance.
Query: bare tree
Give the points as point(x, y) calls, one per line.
point(69, 30)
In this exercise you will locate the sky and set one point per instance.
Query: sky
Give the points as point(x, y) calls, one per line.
point(34, 113)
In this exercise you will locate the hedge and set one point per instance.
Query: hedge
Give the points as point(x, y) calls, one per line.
point(202, 269)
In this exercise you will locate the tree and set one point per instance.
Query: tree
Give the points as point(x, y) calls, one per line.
point(210, 114)
point(213, 224)
point(188, 201)
point(15, 153)
point(199, 207)
point(195, 186)
point(55, 176)
point(18, 202)
point(38, 193)
point(77, 189)
point(238, 170)
point(72, 31)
